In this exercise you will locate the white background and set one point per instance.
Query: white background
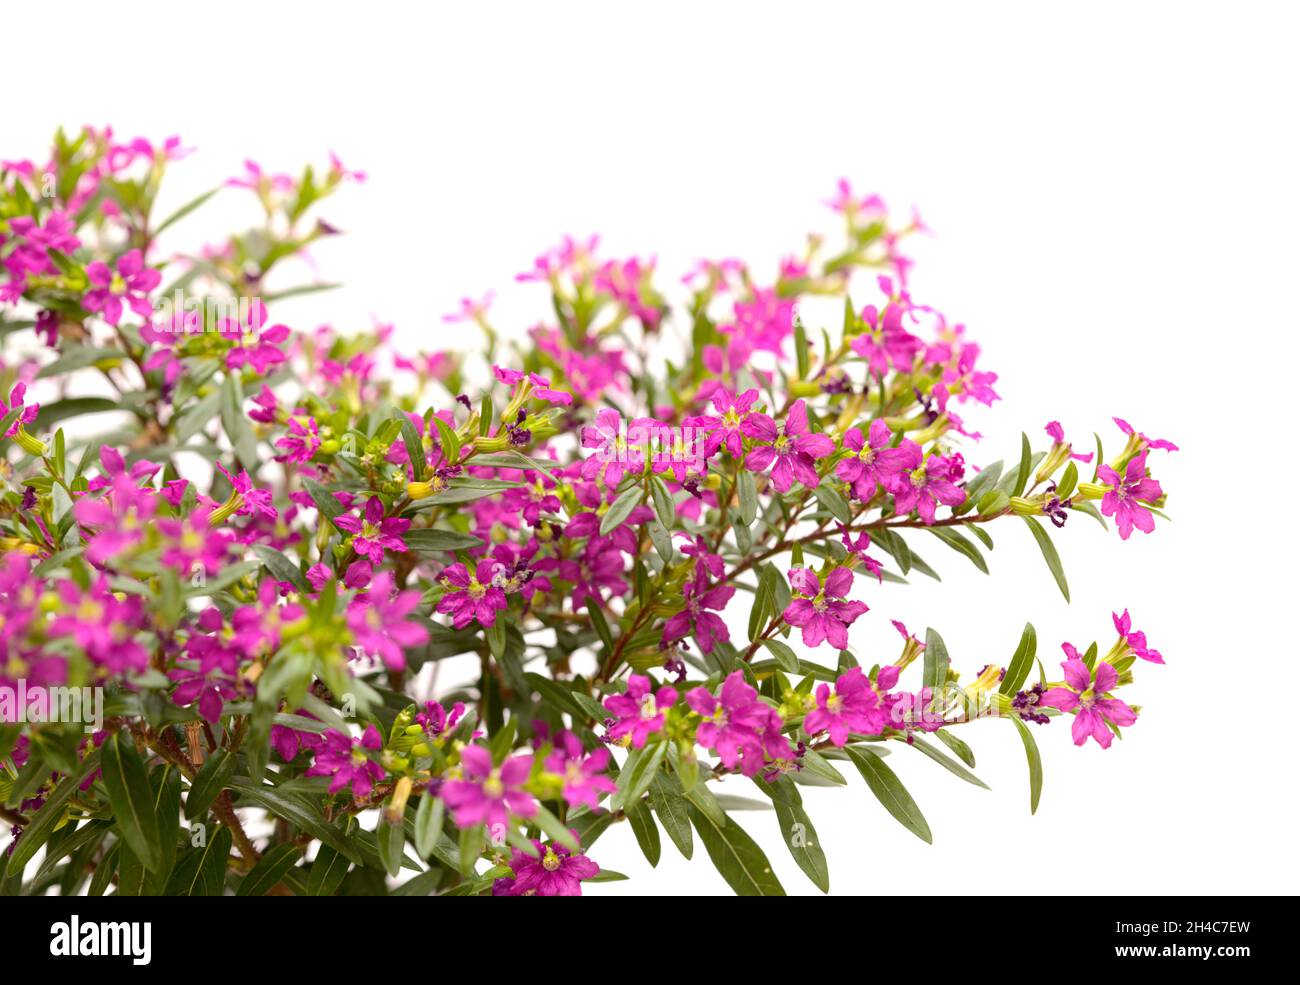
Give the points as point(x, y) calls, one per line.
point(1112, 189)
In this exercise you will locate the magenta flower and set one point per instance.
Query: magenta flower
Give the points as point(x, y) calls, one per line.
point(724, 427)
point(923, 483)
point(373, 532)
point(639, 711)
point(27, 414)
point(1087, 695)
point(1057, 434)
point(113, 465)
point(302, 441)
point(1124, 499)
point(1136, 640)
point(852, 706)
point(193, 545)
point(252, 501)
point(253, 346)
point(471, 596)
point(873, 462)
point(539, 386)
point(379, 622)
point(346, 760)
point(583, 774)
point(553, 872)
point(695, 619)
point(488, 794)
point(1159, 444)
point(791, 445)
point(132, 284)
point(738, 726)
point(820, 610)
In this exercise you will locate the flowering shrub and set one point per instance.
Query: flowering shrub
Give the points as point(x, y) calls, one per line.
point(372, 620)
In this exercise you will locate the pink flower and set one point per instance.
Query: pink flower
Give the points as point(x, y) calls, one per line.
point(471, 596)
point(1087, 695)
point(639, 711)
point(1159, 444)
point(379, 625)
point(732, 410)
point(583, 774)
point(738, 725)
point(345, 759)
point(488, 794)
point(555, 871)
point(254, 347)
point(1124, 499)
point(848, 204)
point(1057, 434)
point(132, 284)
point(539, 386)
point(791, 444)
point(707, 628)
point(1136, 640)
point(27, 413)
point(373, 532)
point(874, 462)
point(302, 441)
point(821, 610)
point(922, 484)
point(252, 501)
point(852, 706)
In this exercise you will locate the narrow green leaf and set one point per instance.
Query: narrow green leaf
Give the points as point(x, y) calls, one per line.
point(958, 542)
point(835, 503)
point(673, 811)
point(1026, 462)
point(1022, 661)
point(1035, 763)
point(889, 790)
point(785, 657)
point(296, 813)
point(946, 761)
point(281, 568)
point(748, 493)
point(269, 870)
point(325, 500)
point(735, 855)
point(428, 541)
point(962, 750)
point(620, 509)
point(638, 773)
point(934, 674)
point(645, 830)
point(127, 783)
point(1049, 555)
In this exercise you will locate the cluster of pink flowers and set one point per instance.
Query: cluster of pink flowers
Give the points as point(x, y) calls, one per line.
point(633, 556)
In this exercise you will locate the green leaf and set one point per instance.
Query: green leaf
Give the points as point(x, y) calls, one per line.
point(447, 439)
point(661, 498)
point(297, 813)
point(392, 840)
point(835, 503)
point(958, 542)
point(60, 410)
point(1035, 763)
point(785, 657)
point(281, 568)
point(934, 674)
point(599, 624)
point(620, 509)
point(958, 746)
point(50, 816)
point(235, 423)
point(748, 493)
point(185, 210)
point(127, 783)
point(1049, 555)
point(946, 761)
point(428, 824)
point(1026, 463)
point(638, 773)
point(1069, 480)
point(673, 811)
point(798, 831)
point(647, 833)
point(555, 829)
point(202, 872)
point(209, 782)
point(735, 855)
point(414, 449)
point(889, 790)
point(327, 872)
point(429, 541)
point(269, 870)
point(1022, 661)
point(325, 500)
